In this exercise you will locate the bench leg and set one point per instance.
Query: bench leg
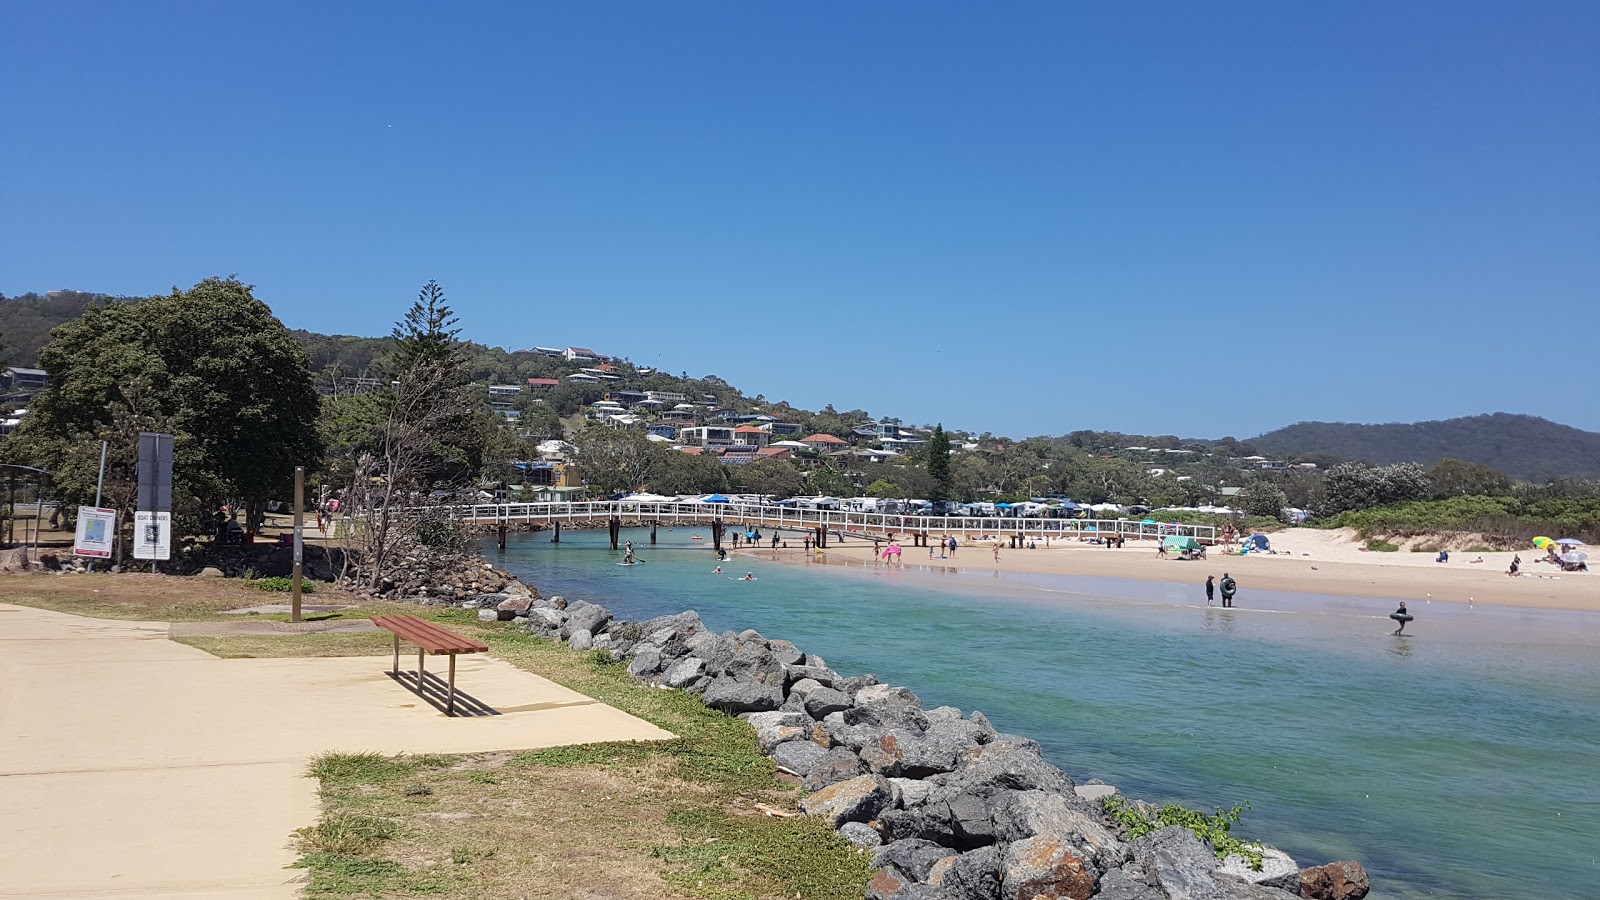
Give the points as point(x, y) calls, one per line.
point(422, 672)
point(396, 669)
point(450, 706)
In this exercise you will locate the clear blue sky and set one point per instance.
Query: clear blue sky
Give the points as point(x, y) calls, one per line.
point(1194, 218)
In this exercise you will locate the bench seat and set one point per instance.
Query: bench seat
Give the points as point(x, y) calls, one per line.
point(430, 639)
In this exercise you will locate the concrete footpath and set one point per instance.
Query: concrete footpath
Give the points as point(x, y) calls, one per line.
point(132, 766)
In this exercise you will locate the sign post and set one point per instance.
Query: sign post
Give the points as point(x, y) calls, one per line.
point(299, 539)
point(97, 530)
point(152, 518)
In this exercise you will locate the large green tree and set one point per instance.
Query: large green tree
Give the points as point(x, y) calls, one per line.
point(212, 363)
point(938, 454)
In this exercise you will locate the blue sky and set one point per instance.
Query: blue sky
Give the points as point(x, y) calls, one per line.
point(1193, 218)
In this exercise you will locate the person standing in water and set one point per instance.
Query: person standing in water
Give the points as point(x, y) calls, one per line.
point(1211, 589)
point(1400, 615)
point(1229, 588)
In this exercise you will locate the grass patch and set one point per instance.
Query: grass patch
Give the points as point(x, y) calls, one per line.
point(1379, 545)
point(724, 856)
point(283, 585)
point(346, 835)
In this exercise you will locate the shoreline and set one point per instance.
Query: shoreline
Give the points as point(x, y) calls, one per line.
point(1482, 584)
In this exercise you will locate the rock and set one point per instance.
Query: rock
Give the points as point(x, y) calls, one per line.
point(799, 757)
point(860, 834)
point(798, 690)
point(975, 875)
point(886, 706)
point(834, 766)
point(970, 815)
point(734, 696)
point(818, 734)
point(909, 792)
point(488, 615)
point(786, 653)
point(913, 856)
point(1023, 814)
point(822, 676)
point(822, 701)
point(937, 872)
point(1343, 880)
point(715, 649)
point(816, 661)
point(211, 572)
point(544, 619)
point(751, 636)
point(1278, 870)
point(1045, 868)
point(929, 823)
point(768, 738)
point(888, 884)
point(885, 752)
point(559, 602)
point(753, 662)
point(514, 605)
point(603, 642)
point(660, 636)
point(1117, 884)
point(763, 720)
point(1009, 762)
point(518, 589)
point(581, 640)
point(1094, 792)
point(1180, 864)
point(855, 800)
point(684, 672)
point(585, 617)
point(487, 601)
point(855, 683)
point(645, 663)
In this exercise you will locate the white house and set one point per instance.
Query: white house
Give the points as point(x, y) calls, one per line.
point(580, 354)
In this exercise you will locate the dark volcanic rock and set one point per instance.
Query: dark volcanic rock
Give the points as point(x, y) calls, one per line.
point(913, 856)
point(821, 701)
point(974, 875)
point(834, 766)
point(799, 757)
point(585, 617)
point(859, 799)
point(1343, 880)
point(1045, 868)
point(734, 696)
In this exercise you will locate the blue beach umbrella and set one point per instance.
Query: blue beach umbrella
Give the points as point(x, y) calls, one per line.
point(1570, 542)
point(715, 498)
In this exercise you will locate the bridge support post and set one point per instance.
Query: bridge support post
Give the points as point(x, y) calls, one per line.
point(822, 537)
point(556, 538)
point(716, 534)
point(653, 526)
point(500, 531)
point(615, 528)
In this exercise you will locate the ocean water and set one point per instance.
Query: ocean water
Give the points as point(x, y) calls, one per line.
point(1463, 762)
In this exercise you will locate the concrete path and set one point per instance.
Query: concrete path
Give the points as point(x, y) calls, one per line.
point(133, 767)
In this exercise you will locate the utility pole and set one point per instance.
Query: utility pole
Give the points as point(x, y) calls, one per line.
point(299, 539)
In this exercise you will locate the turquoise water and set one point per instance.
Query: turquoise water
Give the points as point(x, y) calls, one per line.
point(1461, 763)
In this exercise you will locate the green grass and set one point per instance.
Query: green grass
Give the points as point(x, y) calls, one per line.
point(283, 585)
point(1379, 545)
point(728, 858)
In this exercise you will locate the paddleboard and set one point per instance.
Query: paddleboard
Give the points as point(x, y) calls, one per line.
point(637, 562)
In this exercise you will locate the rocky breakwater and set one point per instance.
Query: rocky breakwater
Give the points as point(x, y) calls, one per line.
point(951, 807)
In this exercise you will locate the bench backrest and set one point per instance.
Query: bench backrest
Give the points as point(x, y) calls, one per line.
point(427, 635)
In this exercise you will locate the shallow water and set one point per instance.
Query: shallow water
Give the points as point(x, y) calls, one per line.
point(1463, 762)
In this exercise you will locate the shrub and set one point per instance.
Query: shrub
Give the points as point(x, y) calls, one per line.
point(283, 585)
point(1136, 822)
point(1378, 545)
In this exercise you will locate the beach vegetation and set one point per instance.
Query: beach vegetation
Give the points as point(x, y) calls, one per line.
point(1356, 486)
point(938, 463)
point(280, 584)
point(1139, 819)
point(1507, 521)
point(1262, 497)
point(1379, 545)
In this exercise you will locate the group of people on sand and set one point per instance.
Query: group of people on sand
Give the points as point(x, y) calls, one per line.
point(890, 553)
point(1228, 586)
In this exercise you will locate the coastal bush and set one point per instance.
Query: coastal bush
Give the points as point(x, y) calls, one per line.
point(1215, 829)
point(1507, 520)
point(283, 585)
point(1378, 545)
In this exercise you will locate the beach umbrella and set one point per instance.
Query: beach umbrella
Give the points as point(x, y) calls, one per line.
point(1574, 557)
point(1570, 542)
point(715, 498)
point(1542, 542)
point(1180, 544)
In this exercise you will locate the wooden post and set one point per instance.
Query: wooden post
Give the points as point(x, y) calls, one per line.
point(557, 538)
point(653, 526)
point(615, 528)
point(716, 534)
point(501, 530)
point(450, 705)
point(299, 540)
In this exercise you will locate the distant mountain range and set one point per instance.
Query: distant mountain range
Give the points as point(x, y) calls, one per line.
point(1526, 447)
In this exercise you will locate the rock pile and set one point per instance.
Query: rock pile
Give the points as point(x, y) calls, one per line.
point(952, 808)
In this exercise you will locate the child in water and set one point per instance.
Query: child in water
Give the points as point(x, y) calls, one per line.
point(717, 571)
point(749, 576)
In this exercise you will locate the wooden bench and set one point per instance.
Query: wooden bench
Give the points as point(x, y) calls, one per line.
point(429, 638)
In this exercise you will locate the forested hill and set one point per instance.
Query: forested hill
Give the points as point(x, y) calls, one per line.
point(1525, 447)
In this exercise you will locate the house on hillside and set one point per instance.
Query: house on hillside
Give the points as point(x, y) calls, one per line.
point(706, 436)
point(824, 442)
point(782, 429)
point(15, 379)
point(580, 354)
point(665, 396)
point(750, 436)
point(663, 429)
point(583, 378)
point(678, 416)
point(554, 352)
point(542, 384)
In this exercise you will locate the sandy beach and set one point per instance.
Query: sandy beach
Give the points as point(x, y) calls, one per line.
point(1307, 560)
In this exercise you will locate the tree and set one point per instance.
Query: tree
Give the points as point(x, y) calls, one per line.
point(829, 482)
point(1453, 477)
point(212, 363)
point(1261, 497)
point(881, 488)
point(1357, 486)
point(689, 473)
point(614, 460)
point(427, 336)
point(938, 453)
point(771, 477)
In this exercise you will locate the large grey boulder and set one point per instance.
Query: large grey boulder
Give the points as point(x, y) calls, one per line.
point(886, 706)
point(823, 676)
point(929, 822)
point(545, 619)
point(1117, 884)
point(909, 792)
point(1011, 763)
point(800, 757)
point(715, 649)
point(684, 672)
point(860, 834)
point(858, 799)
point(581, 640)
point(1278, 870)
point(684, 622)
point(821, 701)
point(762, 720)
point(913, 856)
point(800, 690)
point(975, 875)
point(836, 765)
point(646, 662)
point(1023, 814)
point(904, 753)
point(786, 653)
point(1184, 867)
point(588, 617)
point(734, 696)
point(769, 738)
point(1043, 866)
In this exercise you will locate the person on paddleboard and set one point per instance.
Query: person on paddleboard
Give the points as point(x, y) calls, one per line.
point(1400, 615)
point(1229, 588)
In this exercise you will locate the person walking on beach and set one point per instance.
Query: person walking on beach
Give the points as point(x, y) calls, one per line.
point(1400, 615)
point(807, 542)
point(952, 547)
point(1211, 589)
point(996, 549)
point(1229, 588)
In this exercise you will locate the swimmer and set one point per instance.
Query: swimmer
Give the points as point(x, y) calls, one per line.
point(717, 571)
point(749, 576)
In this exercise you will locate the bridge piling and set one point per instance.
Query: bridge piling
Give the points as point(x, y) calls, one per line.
point(556, 538)
point(653, 526)
point(614, 527)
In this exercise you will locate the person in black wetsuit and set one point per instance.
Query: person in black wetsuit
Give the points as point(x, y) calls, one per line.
point(1211, 589)
point(1229, 588)
point(1400, 615)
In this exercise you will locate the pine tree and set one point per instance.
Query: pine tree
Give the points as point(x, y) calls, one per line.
point(427, 336)
point(939, 462)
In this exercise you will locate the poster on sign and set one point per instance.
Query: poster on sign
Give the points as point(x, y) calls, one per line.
point(152, 535)
point(97, 529)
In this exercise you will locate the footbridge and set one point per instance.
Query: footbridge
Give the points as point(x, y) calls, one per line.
point(822, 523)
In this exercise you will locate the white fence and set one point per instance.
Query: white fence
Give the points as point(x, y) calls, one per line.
point(779, 517)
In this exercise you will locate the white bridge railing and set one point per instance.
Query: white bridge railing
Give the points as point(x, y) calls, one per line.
point(842, 521)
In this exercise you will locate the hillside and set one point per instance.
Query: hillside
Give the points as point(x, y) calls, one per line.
point(1526, 447)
